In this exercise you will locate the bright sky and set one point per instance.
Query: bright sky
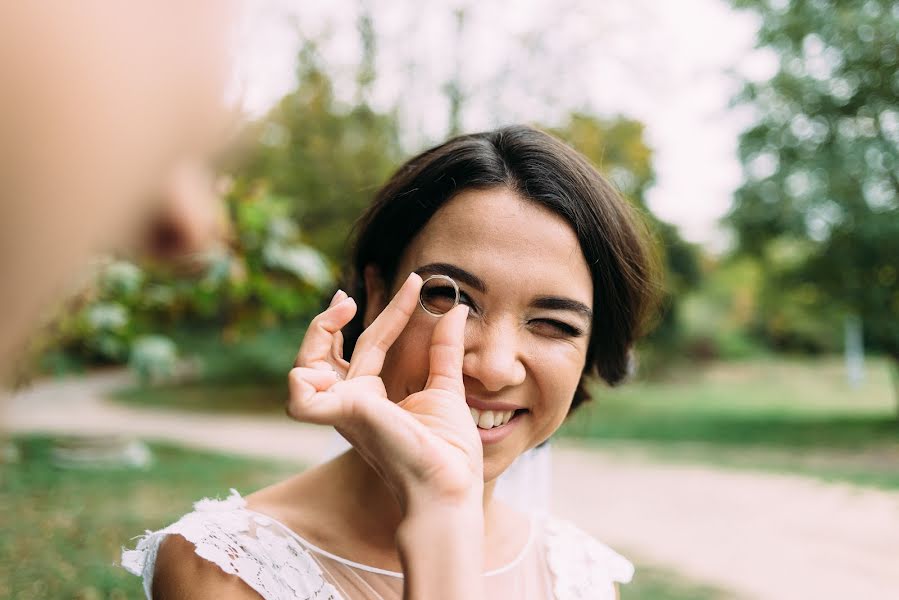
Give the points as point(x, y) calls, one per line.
point(672, 65)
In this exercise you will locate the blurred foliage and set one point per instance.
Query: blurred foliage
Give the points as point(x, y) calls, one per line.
point(820, 203)
point(719, 316)
point(617, 147)
point(263, 278)
point(326, 158)
point(314, 161)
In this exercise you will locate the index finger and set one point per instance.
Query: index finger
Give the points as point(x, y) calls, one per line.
point(447, 352)
point(319, 338)
point(373, 344)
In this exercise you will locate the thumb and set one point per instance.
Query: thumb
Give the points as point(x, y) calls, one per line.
point(447, 351)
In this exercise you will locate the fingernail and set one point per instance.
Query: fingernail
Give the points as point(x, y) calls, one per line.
point(337, 296)
point(346, 300)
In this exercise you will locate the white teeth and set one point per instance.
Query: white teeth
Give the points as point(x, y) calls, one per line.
point(487, 419)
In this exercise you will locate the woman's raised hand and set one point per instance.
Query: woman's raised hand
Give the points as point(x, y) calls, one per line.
point(425, 446)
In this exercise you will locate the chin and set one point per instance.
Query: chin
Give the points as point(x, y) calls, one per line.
point(496, 465)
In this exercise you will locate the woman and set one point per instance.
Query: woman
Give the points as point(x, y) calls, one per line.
point(556, 280)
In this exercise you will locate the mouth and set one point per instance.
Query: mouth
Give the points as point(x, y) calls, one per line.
point(493, 419)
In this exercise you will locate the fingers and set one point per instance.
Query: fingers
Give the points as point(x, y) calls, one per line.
point(338, 296)
point(308, 400)
point(447, 352)
point(320, 397)
point(337, 343)
point(337, 347)
point(373, 344)
point(320, 379)
point(318, 342)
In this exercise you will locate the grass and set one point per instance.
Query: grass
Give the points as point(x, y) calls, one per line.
point(237, 398)
point(63, 530)
point(654, 583)
point(789, 415)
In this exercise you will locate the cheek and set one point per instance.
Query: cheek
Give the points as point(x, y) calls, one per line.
point(406, 364)
point(556, 375)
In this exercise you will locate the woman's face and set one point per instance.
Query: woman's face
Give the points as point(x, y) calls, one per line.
point(521, 270)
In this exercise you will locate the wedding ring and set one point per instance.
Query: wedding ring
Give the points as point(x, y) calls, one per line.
point(439, 295)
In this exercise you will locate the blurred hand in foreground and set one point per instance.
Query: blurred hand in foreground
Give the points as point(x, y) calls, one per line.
point(106, 108)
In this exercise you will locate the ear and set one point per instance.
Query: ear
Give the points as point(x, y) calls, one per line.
point(375, 294)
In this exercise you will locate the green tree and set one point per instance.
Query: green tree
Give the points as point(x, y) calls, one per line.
point(822, 158)
point(618, 149)
point(326, 159)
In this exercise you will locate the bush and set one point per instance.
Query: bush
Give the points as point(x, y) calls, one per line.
point(265, 277)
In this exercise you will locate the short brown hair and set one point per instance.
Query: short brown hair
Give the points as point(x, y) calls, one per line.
point(613, 237)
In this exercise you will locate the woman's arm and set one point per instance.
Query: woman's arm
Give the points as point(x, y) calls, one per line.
point(442, 552)
point(180, 574)
point(426, 447)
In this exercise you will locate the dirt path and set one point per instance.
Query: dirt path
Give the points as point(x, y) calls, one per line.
point(759, 535)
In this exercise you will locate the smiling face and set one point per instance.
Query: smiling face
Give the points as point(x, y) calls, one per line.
point(520, 268)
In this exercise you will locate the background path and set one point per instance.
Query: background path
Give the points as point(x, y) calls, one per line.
point(759, 535)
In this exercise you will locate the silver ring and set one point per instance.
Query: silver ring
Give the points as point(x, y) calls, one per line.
point(455, 287)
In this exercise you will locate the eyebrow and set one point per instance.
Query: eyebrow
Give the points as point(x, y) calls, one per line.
point(472, 280)
point(457, 273)
point(560, 303)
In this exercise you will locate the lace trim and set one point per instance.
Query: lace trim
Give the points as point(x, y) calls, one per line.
point(582, 567)
point(310, 546)
point(276, 562)
point(240, 543)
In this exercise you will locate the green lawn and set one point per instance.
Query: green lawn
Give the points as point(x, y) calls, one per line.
point(241, 398)
point(775, 414)
point(63, 530)
point(653, 583)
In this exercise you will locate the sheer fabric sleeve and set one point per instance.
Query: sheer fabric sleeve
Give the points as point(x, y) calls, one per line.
point(240, 543)
point(582, 567)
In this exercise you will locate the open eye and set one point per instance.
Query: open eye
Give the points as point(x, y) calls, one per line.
point(439, 298)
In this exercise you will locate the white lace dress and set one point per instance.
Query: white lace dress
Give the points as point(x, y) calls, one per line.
point(559, 561)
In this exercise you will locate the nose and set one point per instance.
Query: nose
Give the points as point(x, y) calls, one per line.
point(493, 355)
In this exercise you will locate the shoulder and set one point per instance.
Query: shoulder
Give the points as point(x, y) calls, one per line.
point(580, 563)
point(181, 573)
point(224, 550)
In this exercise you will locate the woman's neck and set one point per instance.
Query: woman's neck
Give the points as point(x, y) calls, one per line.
point(364, 493)
point(344, 507)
